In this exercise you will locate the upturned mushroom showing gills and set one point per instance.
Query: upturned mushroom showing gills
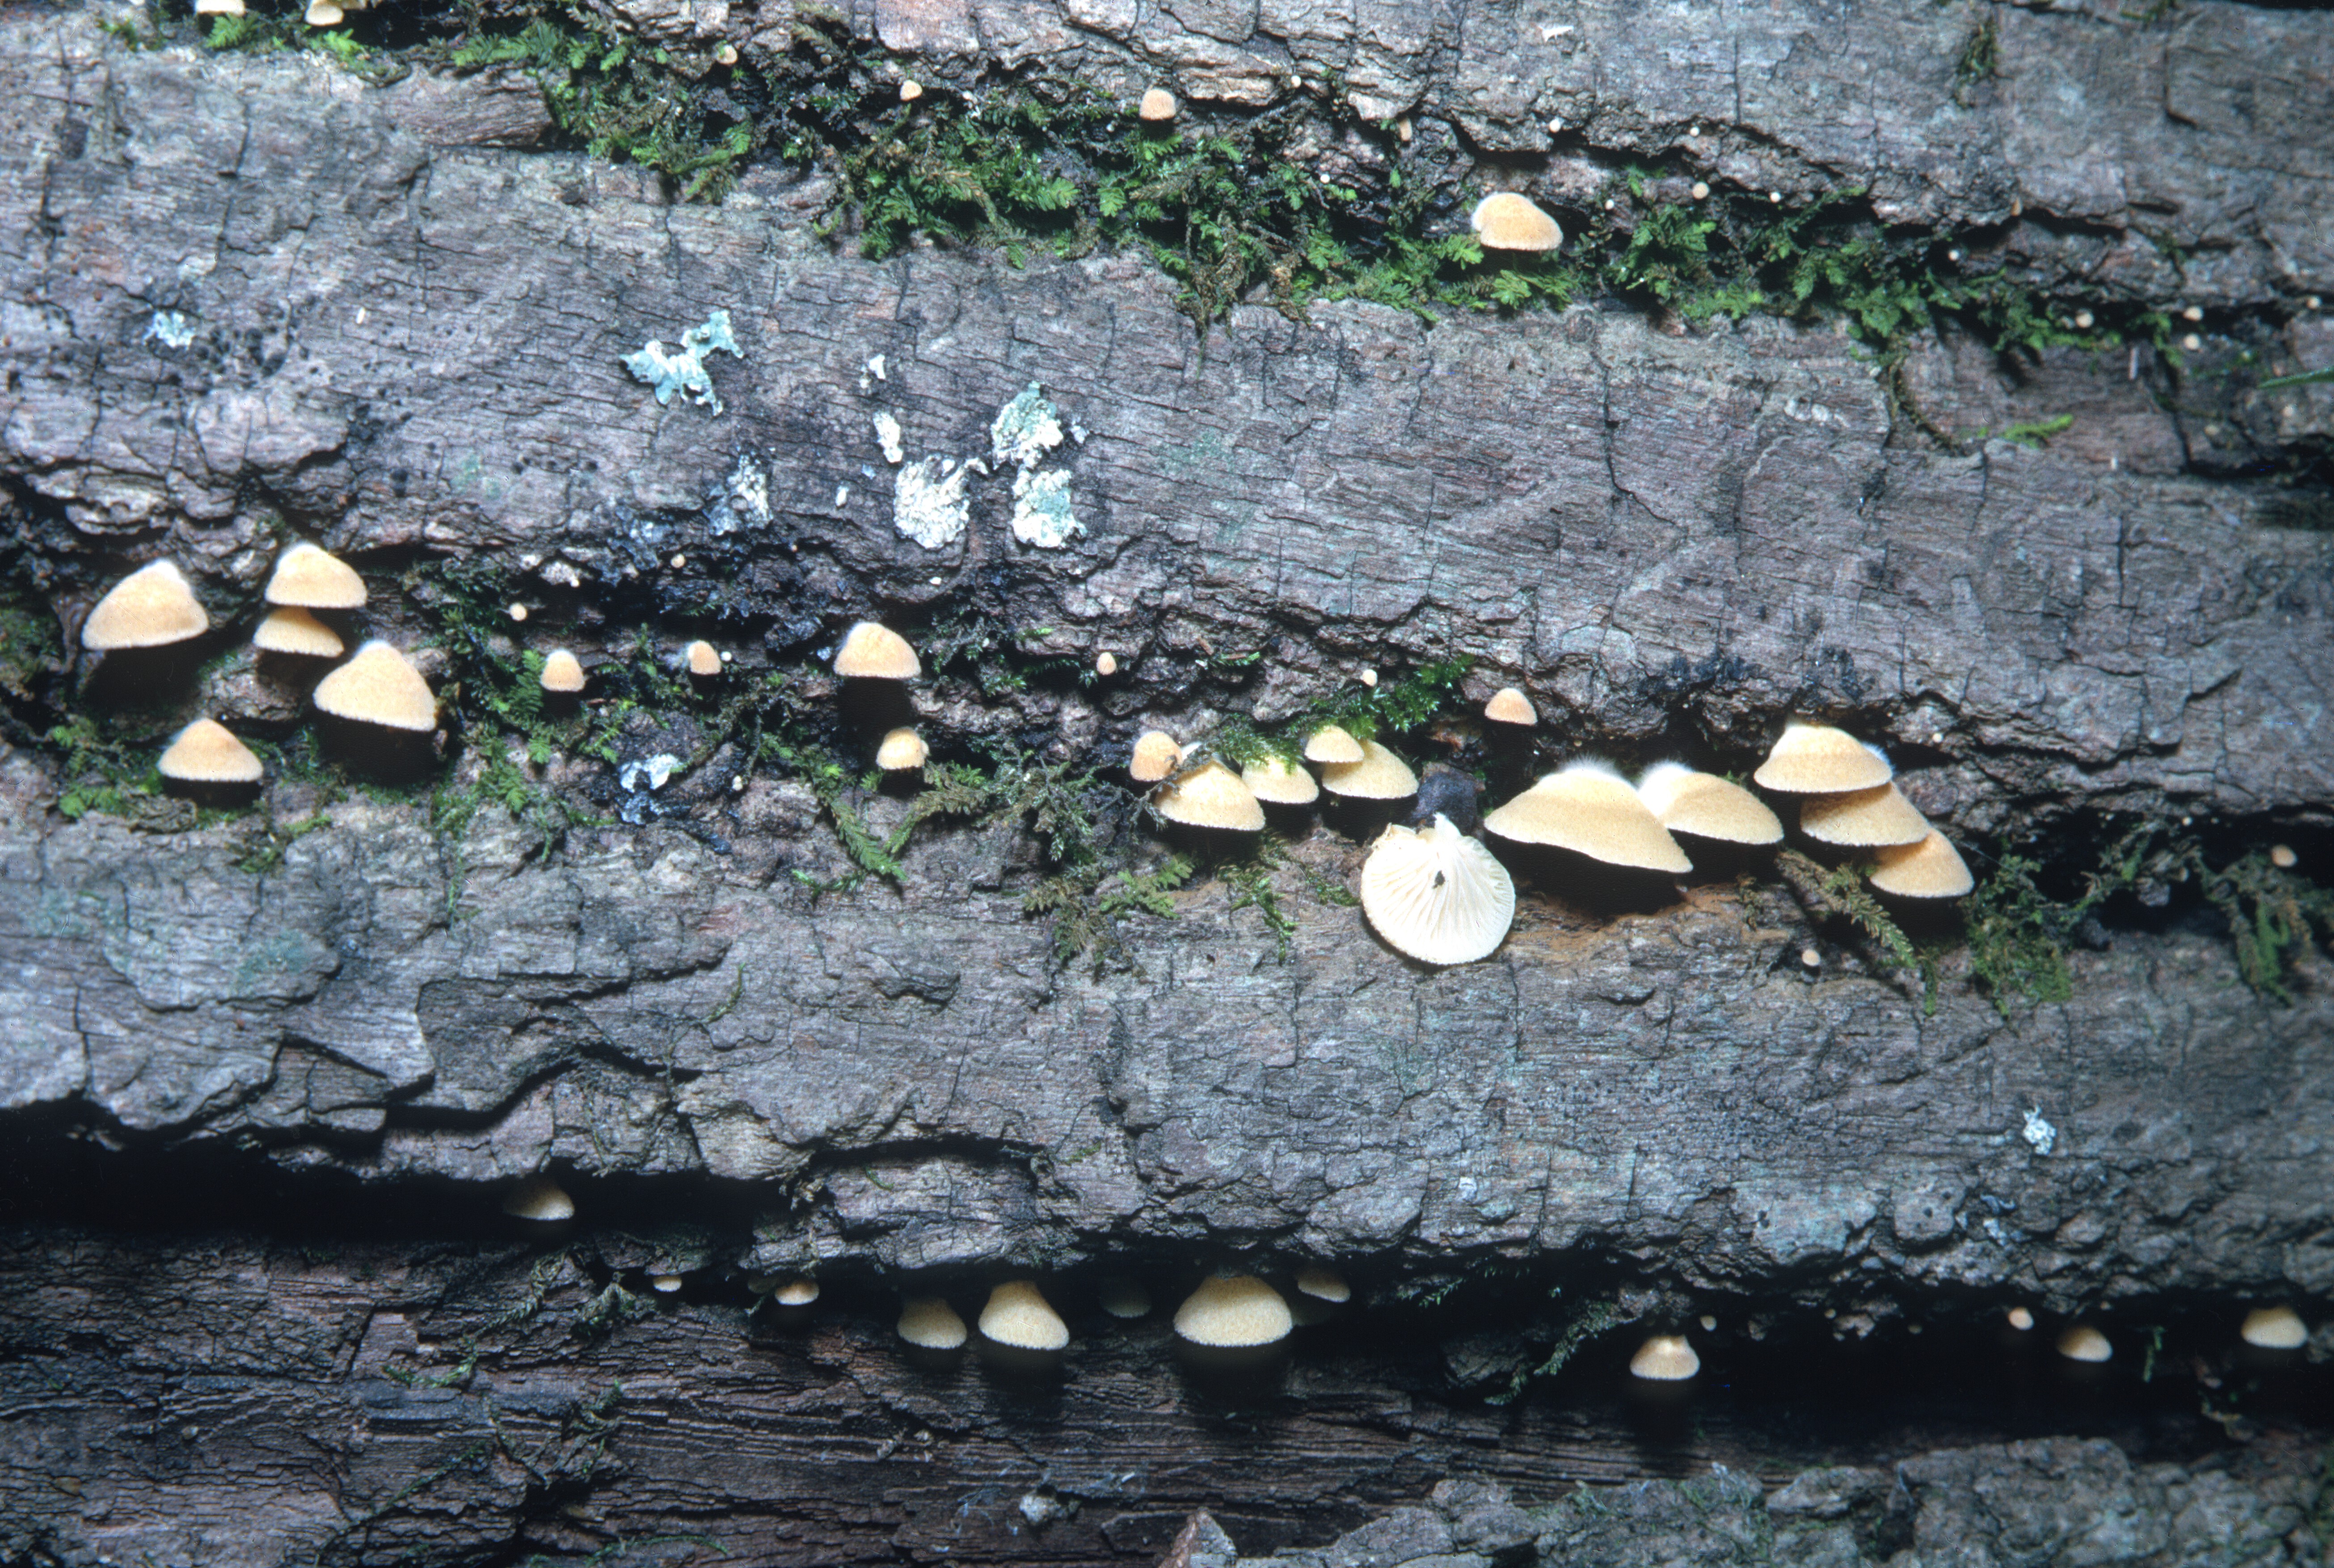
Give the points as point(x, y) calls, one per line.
point(873, 652)
point(306, 576)
point(1590, 810)
point(1018, 1317)
point(1209, 796)
point(379, 686)
point(1436, 895)
point(1707, 806)
point(153, 607)
point(1234, 1311)
point(1817, 759)
point(288, 629)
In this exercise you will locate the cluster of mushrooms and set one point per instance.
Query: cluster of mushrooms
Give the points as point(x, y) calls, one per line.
point(155, 607)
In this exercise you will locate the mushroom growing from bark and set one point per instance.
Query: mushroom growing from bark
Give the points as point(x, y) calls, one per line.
point(1235, 1311)
point(1331, 744)
point(873, 652)
point(1817, 759)
point(1706, 806)
point(1323, 1283)
point(1590, 810)
point(379, 686)
point(2082, 1343)
point(1125, 1298)
point(1511, 706)
point(1377, 774)
point(288, 629)
point(704, 660)
point(2274, 1328)
point(798, 1292)
point(562, 672)
point(151, 608)
point(1158, 106)
point(207, 753)
point(1209, 796)
point(1156, 756)
point(1436, 895)
point(1665, 1359)
point(1931, 868)
point(902, 751)
point(1506, 221)
point(1272, 779)
point(929, 1323)
point(538, 1198)
point(1016, 1315)
point(308, 576)
point(1879, 817)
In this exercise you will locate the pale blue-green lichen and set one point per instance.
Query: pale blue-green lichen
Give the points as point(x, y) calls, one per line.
point(684, 372)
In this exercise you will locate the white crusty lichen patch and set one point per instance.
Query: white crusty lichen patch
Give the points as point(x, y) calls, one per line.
point(1041, 509)
point(1025, 429)
point(2039, 1135)
point(929, 503)
point(684, 370)
point(170, 330)
point(887, 436)
point(1024, 432)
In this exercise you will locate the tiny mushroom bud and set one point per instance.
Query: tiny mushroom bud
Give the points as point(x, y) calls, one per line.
point(1158, 105)
point(1370, 678)
point(910, 91)
point(2192, 343)
point(2082, 1343)
point(307, 576)
point(1701, 191)
point(1016, 1315)
point(323, 13)
point(725, 55)
point(902, 751)
point(288, 629)
point(1323, 1283)
point(1506, 221)
point(218, 7)
point(1378, 775)
point(929, 1323)
point(1665, 1359)
point(1209, 796)
point(1863, 819)
point(208, 752)
point(2022, 1319)
point(1436, 895)
point(518, 612)
point(1810, 959)
point(1511, 706)
point(872, 652)
point(1931, 868)
point(2083, 320)
point(1156, 756)
point(703, 660)
point(538, 1198)
point(798, 1292)
point(1707, 806)
point(1271, 778)
point(379, 686)
point(150, 607)
point(1817, 759)
point(562, 672)
point(1590, 810)
point(1330, 744)
point(1105, 663)
point(2282, 857)
point(2191, 313)
point(1234, 1311)
point(2274, 1328)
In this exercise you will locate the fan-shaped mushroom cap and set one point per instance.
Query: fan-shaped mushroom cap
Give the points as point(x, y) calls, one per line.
point(288, 629)
point(1864, 818)
point(1271, 777)
point(1506, 221)
point(1323, 1283)
point(929, 1323)
point(150, 607)
point(1125, 1298)
point(798, 1292)
point(1018, 1315)
point(704, 659)
point(1591, 810)
point(2082, 1343)
point(1209, 796)
point(1932, 868)
point(2275, 1328)
point(902, 751)
point(1156, 756)
point(538, 1198)
point(1331, 744)
point(1436, 895)
point(1158, 104)
point(1817, 759)
point(306, 575)
point(207, 752)
point(1379, 775)
point(1241, 1310)
point(562, 671)
point(379, 686)
point(1511, 706)
point(872, 652)
point(1665, 1359)
point(1707, 806)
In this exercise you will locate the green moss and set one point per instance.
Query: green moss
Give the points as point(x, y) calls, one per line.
point(1841, 891)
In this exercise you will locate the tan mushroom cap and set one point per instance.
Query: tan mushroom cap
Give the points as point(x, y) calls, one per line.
point(872, 652)
point(1158, 104)
point(929, 1323)
point(1018, 1315)
point(1125, 1298)
point(798, 1292)
point(1379, 775)
point(902, 751)
point(1436, 895)
point(664, 1283)
point(1323, 1283)
point(2022, 1319)
point(1864, 818)
point(1506, 221)
point(1932, 868)
point(150, 607)
point(1705, 806)
point(1209, 796)
point(1272, 777)
point(1331, 744)
point(288, 629)
point(207, 752)
point(704, 659)
point(379, 686)
point(538, 1198)
point(2082, 1343)
point(1241, 1310)
point(2275, 1328)
point(1509, 705)
point(218, 7)
point(1817, 759)
point(1591, 810)
point(1665, 1359)
point(305, 575)
point(323, 13)
point(1156, 756)
point(562, 671)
